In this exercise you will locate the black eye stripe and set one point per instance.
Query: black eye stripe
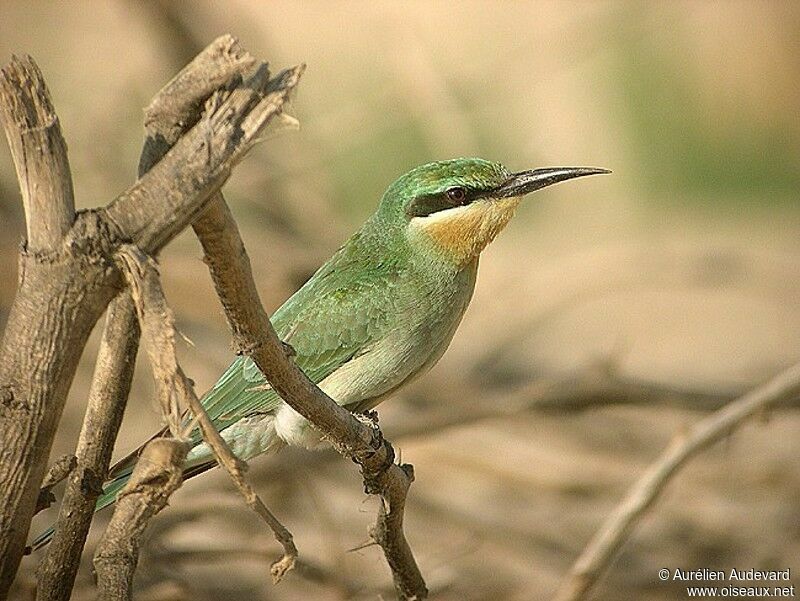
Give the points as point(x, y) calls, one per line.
point(422, 206)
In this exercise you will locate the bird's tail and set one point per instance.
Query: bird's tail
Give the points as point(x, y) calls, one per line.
point(111, 490)
point(114, 486)
point(233, 388)
point(108, 496)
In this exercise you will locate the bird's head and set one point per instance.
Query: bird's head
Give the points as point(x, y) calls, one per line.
point(460, 205)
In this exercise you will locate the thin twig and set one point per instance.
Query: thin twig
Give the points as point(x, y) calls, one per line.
point(602, 549)
point(158, 328)
point(159, 470)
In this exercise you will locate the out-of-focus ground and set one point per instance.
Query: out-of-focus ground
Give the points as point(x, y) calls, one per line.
point(680, 269)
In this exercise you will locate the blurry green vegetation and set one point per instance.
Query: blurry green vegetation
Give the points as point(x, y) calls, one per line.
point(686, 152)
point(375, 160)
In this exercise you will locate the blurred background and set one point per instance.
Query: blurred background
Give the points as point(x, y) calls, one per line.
point(612, 314)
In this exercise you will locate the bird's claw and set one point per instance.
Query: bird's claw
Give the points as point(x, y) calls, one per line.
point(288, 350)
point(370, 418)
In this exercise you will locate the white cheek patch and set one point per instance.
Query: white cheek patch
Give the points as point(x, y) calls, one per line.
point(440, 216)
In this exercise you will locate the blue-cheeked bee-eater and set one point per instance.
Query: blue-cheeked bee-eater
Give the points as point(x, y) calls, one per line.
point(380, 312)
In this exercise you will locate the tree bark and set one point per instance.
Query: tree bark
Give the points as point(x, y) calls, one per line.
point(156, 476)
point(68, 277)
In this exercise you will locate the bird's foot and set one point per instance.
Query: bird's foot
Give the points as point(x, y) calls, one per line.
point(370, 418)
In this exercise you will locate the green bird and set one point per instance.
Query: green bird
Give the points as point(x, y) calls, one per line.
point(380, 312)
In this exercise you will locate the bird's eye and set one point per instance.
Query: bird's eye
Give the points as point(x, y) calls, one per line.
point(457, 195)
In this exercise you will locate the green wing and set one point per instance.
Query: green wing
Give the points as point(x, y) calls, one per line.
point(332, 319)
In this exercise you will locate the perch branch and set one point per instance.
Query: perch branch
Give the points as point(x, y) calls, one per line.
point(602, 549)
point(254, 335)
point(39, 153)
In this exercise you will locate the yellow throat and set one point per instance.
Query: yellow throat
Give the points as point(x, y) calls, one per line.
point(462, 233)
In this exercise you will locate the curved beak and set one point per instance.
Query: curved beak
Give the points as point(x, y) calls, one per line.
point(525, 182)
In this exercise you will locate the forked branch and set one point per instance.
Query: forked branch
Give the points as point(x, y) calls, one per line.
point(216, 65)
point(68, 275)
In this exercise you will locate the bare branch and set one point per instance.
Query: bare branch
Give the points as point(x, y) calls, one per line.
point(39, 153)
point(159, 470)
point(157, 474)
point(104, 410)
point(253, 334)
point(211, 69)
point(602, 549)
point(172, 193)
point(64, 291)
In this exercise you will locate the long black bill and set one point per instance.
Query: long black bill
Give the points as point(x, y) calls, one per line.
point(526, 182)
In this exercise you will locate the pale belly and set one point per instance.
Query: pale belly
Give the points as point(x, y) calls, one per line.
point(401, 356)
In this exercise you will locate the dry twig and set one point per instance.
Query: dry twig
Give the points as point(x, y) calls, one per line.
point(158, 329)
point(217, 64)
point(172, 111)
point(602, 549)
point(158, 473)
